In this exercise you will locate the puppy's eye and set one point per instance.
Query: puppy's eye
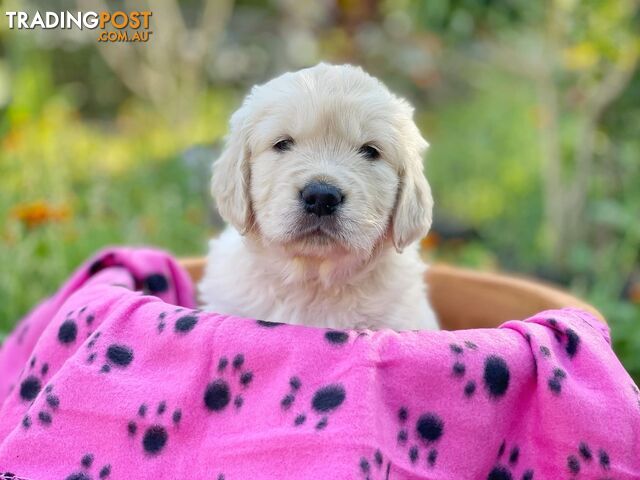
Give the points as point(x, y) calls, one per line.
point(284, 145)
point(369, 152)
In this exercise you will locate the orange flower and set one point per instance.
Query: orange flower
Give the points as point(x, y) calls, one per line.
point(634, 293)
point(12, 140)
point(39, 212)
point(431, 241)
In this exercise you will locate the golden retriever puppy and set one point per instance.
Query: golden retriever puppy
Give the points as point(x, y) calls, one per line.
point(322, 183)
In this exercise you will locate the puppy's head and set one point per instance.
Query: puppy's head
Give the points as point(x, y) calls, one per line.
point(324, 161)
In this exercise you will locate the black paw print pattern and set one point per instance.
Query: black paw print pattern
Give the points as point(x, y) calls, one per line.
point(570, 338)
point(557, 376)
point(507, 465)
point(555, 380)
point(459, 369)
point(336, 337)
point(162, 322)
point(45, 414)
point(106, 261)
point(585, 459)
point(155, 435)
point(32, 384)
point(375, 468)
point(84, 317)
point(91, 357)
point(182, 324)
point(185, 323)
point(289, 399)
point(218, 393)
point(495, 377)
point(267, 324)
point(427, 430)
point(154, 284)
point(87, 467)
point(324, 401)
point(117, 356)
point(69, 329)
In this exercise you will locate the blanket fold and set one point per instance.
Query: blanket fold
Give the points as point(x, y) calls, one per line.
point(117, 376)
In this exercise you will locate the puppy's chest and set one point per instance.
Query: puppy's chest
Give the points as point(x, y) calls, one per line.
point(269, 298)
point(307, 304)
point(335, 308)
point(239, 283)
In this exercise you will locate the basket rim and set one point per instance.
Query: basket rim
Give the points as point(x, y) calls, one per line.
point(467, 298)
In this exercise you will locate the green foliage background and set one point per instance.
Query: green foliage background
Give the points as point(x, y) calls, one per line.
point(531, 109)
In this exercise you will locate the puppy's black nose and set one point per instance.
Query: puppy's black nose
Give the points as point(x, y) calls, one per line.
point(321, 198)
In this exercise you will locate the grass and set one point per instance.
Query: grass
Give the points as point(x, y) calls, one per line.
point(146, 203)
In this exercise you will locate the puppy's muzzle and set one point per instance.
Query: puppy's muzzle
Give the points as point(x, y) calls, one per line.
point(320, 198)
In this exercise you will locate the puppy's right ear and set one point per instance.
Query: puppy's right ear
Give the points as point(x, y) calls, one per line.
point(231, 175)
point(414, 206)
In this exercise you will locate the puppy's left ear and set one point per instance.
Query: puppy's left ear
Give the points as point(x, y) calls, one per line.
point(414, 204)
point(230, 182)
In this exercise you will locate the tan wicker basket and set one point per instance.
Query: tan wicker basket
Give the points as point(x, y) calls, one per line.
point(465, 298)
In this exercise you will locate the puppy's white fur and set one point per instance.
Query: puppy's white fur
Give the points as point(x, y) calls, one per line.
point(279, 263)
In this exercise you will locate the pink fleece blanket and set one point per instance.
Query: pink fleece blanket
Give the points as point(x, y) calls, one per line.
point(118, 377)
